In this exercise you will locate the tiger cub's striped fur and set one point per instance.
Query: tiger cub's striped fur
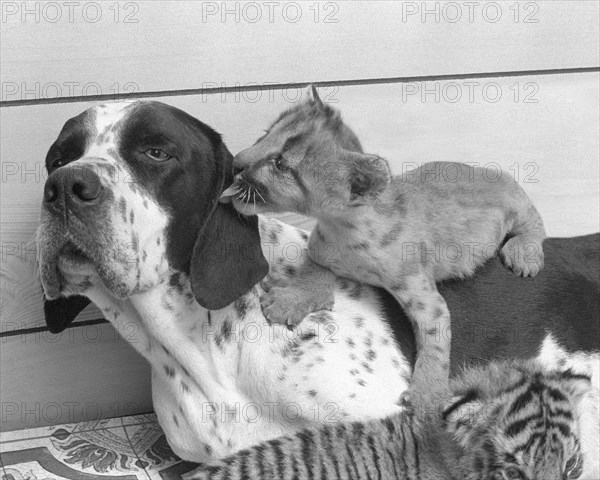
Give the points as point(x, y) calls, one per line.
point(508, 420)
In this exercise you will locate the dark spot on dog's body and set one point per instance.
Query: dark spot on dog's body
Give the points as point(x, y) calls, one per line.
point(322, 317)
point(175, 281)
point(370, 355)
point(241, 306)
point(368, 340)
point(135, 241)
point(367, 367)
point(361, 382)
point(312, 393)
point(304, 236)
point(175, 421)
point(352, 395)
point(123, 208)
point(354, 372)
point(359, 322)
point(170, 371)
point(226, 329)
point(131, 217)
point(350, 342)
point(185, 387)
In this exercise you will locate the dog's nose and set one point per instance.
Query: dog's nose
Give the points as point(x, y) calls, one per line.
point(76, 185)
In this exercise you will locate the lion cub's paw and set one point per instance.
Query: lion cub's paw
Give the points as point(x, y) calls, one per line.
point(523, 256)
point(290, 302)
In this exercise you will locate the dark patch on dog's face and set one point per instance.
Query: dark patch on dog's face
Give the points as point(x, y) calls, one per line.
point(183, 185)
point(72, 141)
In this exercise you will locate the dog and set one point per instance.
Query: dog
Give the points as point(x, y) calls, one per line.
point(130, 221)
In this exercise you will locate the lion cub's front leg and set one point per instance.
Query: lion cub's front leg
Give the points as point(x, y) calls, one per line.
point(307, 290)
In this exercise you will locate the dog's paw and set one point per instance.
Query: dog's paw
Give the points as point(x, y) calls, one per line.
point(289, 304)
point(523, 256)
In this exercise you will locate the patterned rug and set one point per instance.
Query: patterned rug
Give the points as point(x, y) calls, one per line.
point(125, 448)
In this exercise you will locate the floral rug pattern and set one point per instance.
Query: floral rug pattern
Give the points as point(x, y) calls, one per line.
point(127, 448)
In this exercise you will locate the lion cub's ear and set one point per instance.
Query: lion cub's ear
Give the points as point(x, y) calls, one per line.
point(312, 96)
point(368, 176)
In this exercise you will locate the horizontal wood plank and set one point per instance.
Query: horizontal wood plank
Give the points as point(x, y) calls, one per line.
point(51, 49)
point(85, 373)
point(542, 129)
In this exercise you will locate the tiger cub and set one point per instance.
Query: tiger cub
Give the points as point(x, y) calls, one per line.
point(508, 420)
point(403, 233)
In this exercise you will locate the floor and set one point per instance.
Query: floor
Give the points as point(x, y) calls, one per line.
point(127, 448)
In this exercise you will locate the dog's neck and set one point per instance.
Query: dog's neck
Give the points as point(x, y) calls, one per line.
point(168, 327)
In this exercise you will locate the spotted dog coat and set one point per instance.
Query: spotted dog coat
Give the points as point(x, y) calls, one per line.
point(222, 379)
point(127, 228)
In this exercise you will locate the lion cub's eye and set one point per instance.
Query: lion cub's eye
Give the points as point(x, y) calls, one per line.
point(279, 162)
point(157, 154)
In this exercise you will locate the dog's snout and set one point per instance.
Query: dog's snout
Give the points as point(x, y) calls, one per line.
point(76, 185)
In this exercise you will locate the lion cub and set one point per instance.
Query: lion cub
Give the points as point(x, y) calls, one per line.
point(402, 233)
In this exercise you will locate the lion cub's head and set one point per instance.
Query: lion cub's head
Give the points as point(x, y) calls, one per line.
point(308, 162)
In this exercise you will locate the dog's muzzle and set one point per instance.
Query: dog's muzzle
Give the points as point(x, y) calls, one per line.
point(74, 205)
point(74, 188)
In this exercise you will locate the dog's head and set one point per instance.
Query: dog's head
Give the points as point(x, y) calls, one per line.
point(309, 161)
point(132, 194)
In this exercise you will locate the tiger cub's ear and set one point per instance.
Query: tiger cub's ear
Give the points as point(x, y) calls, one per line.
point(368, 176)
point(461, 413)
point(577, 385)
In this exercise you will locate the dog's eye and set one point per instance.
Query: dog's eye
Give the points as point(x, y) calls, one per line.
point(157, 154)
point(59, 162)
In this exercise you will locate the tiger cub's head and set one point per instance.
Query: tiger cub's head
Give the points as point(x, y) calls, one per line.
point(308, 162)
point(518, 422)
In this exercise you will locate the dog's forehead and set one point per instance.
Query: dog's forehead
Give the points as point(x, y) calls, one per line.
point(108, 116)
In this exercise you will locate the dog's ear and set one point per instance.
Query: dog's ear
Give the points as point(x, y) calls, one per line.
point(368, 176)
point(61, 312)
point(227, 260)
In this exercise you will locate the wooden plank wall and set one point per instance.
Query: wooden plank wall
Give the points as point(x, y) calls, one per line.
point(541, 123)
